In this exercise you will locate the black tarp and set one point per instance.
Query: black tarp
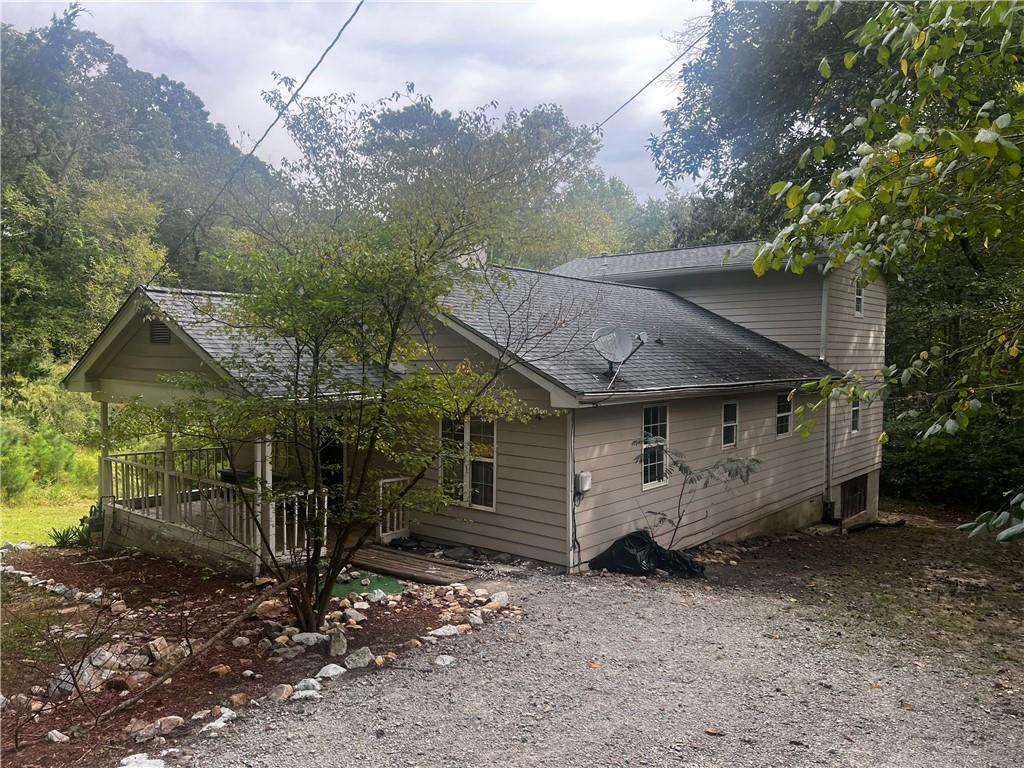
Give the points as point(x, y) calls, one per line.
point(638, 554)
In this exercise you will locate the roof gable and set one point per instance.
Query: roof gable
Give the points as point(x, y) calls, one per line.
point(720, 256)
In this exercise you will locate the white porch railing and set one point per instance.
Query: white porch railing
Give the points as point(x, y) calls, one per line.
point(393, 520)
point(142, 483)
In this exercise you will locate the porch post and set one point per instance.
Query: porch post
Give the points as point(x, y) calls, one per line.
point(105, 489)
point(170, 494)
point(265, 485)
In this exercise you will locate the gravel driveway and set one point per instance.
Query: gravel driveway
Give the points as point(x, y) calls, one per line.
point(610, 671)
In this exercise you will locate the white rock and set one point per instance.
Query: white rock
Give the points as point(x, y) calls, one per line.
point(240, 642)
point(445, 660)
point(226, 716)
point(310, 639)
point(501, 598)
point(362, 658)
point(308, 684)
point(448, 630)
point(141, 760)
point(377, 596)
point(117, 607)
point(330, 671)
point(353, 615)
point(57, 737)
point(306, 696)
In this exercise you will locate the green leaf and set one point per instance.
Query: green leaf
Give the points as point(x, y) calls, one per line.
point(804, 157)
point(777, 187)
point(850, 59)
point(1003, 121)
point(824, 69)
point(1013, 532)
point(901, 141)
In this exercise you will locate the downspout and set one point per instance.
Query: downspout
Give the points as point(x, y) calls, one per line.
point(572, 542)
point(827, 506)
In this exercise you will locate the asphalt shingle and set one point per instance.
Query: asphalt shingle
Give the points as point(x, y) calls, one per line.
point(548, 320)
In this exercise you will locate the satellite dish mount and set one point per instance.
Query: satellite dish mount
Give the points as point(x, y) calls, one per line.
point(617, 345)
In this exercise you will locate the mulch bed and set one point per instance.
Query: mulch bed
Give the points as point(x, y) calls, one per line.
point(180, 596)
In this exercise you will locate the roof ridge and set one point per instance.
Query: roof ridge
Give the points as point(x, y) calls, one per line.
point(171, 290)
point(664, 250)
point(583, 279)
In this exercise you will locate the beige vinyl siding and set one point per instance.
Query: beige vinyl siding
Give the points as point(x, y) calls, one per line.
point(132, 360)
point(856, 343)
point(792, 471)
point(784, 307)
point(531, 474)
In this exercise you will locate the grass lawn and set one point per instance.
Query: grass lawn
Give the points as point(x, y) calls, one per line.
point(32, 522)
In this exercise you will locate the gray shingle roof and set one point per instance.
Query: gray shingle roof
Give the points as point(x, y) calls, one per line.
point(547, 320)
point(261, 364)
point(699, 257)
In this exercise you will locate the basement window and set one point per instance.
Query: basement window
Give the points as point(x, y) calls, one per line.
point(730, 420)
point(159, 333)
point(854, 496)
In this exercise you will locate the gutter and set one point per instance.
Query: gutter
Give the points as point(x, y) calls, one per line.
point(600, 397)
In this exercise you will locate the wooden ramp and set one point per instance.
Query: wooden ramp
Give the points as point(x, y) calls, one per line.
point(406, 565)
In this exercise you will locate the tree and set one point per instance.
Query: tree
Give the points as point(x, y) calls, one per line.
point(342, 292)
point(930, 176)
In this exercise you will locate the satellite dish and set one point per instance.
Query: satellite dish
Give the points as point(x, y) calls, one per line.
point(613, 343)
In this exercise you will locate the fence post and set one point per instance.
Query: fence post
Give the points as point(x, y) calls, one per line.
point(170, 494)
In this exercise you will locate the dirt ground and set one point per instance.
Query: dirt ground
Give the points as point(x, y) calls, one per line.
point(896, 647)
point(925, 582)
point(167, 599)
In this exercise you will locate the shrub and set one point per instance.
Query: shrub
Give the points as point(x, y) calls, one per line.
point(71, 536)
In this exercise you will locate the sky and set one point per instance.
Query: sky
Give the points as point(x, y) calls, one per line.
point(587, 56)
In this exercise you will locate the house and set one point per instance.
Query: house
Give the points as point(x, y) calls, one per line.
point(720, 353)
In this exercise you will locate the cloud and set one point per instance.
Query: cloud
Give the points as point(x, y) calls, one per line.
point(588, 57)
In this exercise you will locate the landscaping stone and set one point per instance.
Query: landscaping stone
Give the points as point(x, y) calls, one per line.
point(361, 605)
point(475, 619)
point(377, 596)
point(445, 661)
point(353, 615)
point(448, 630)
point(118, 607)
point(310, 639)
point(141, 760)
point(157, 648)
point(240, 642)
point(239, 699)
point(501, 598)
point(280, 692)
point(307, 684)
point(272, 628)
point(57, 737)
point(337, 644)
point(212, 727)
point(362, 658)
point(168, 723)
point(289, 651)
point(306, 696)
point(220, 670)
point(330, 671)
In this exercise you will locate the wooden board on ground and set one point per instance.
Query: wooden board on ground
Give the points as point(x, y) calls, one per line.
point(406, 565)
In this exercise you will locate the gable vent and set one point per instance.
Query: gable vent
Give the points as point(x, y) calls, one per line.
point(159, 333)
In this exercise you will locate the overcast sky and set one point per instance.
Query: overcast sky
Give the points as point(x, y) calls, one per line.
point(587, 56)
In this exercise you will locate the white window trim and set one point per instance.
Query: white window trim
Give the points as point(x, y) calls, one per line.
point(858, 301)
point(855, 409)
point(664, 481)
point(467, 466)
point(735, 424)
point(775, 420)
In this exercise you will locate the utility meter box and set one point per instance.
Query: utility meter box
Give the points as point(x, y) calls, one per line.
point(582, 482)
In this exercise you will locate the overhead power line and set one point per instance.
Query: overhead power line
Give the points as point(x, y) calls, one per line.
point(238, 168)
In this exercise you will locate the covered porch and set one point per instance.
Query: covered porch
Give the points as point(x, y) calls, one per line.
point(204, 504)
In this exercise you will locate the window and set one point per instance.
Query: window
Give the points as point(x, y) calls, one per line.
point(655, 440)
point(467, 461)
point(783, 415)
point(159, 333)
point(730, 418)
point(855, 416)
point(858, 301)
point(854, 496)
